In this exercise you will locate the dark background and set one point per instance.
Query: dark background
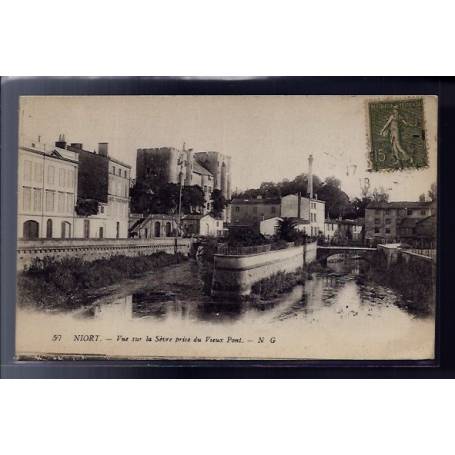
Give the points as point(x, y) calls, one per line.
point(444, 88)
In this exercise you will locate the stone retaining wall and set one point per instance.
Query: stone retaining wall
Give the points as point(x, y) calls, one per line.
point(93, 249)
point(234, 276)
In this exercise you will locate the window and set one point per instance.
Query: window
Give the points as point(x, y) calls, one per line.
point(37, 199)
point(68, 178)
point(376, 230)
point(388, 221)
point(38, 171)
point(27, 170)
point(31, 230)
point(237, 209)
point(117, 230)
point(86, 229)
point(157, 229)
point(69, 202)
point(168, 229)
point(101, 208)
point(410, 211)
point(49, 229)
point(50, 198)
point(61, 202)
point(423, 212)
point(387, 230)
point(377, 211)
point(61, 177)
point(119, 172)
point(71, 178)
point(387, 212)
point(101, 232)
point(205, 188)
point(124, 173)
point(26, 199)
point(113, 170)
point(50, 175)
point(377, 221)
point(66, 230)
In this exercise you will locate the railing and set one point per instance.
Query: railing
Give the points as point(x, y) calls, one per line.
point(243, 250)
point(255, 249)
point(431, 253)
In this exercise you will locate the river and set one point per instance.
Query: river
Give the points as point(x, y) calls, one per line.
point(337, 313)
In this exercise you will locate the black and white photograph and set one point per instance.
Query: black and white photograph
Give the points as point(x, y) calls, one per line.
point(226, 227)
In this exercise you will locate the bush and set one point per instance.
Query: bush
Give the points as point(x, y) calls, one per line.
point(52, 282)
point(277, 283)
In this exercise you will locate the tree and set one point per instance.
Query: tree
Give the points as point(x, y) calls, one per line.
point(165, 198)
point(219, 203)
point(192, 199)
point(336, 200)
point(86, 207)
point(379, 195)
point(358, 206)
point(422, 198)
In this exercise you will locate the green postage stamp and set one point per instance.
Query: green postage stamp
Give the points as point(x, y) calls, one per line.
point(397, 135)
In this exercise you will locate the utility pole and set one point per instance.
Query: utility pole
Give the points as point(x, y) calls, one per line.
point(180, 191)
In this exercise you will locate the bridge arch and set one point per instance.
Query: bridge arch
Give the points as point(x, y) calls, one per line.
point(323, 253)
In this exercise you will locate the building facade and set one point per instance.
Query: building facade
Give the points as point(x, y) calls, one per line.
point(253, 211)
point(341, 231)
point(154, 226)
point(383, 220)
point(203, 225)
point(305, 208)
point(208, 170)
point(47, 189)
point(106, 180)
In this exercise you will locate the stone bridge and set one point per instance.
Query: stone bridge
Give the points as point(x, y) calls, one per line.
point(324, 252)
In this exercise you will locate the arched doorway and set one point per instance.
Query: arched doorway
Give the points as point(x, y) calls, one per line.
point(168, 229)
point(66, 230)
point(157, 229)
point(49, 229)
point(31, 230)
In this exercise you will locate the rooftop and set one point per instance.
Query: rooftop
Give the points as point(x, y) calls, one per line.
point(199, 169)
point(399, 205)
point(52, 154)
point(255, 201)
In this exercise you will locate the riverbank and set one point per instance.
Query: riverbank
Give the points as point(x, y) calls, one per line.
point(415, 281)
point(72, 282)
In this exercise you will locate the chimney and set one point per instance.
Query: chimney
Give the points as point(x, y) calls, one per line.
point(76, 145)
point(310, 176)
point(103, 148)
point(299, 201)
point(61, 143)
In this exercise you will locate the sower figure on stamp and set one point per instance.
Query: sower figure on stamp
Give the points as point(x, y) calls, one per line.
point(393, 127)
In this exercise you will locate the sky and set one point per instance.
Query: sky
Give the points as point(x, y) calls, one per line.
point(269, 138)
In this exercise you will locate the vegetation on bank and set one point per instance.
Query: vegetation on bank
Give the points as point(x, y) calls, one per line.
point(414, 280)
point(68, 282)
point(277, 284)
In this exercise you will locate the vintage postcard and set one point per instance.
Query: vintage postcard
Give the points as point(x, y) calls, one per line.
point(227, 227)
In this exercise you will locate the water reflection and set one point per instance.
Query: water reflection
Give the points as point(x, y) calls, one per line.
point(341, 290)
